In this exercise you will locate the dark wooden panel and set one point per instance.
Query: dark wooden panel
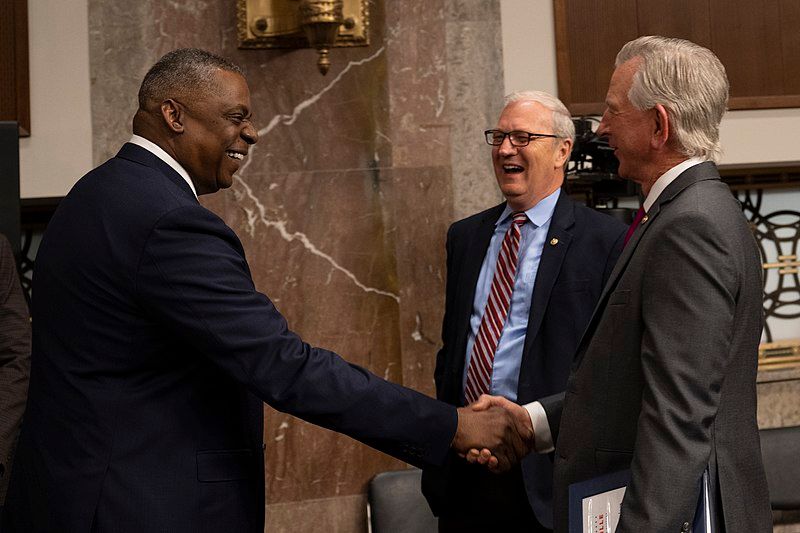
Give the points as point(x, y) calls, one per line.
point(790, 45)
point(746, 38)
point(750, 176)
point(587, 41)
point(8, 90)
point(21, 59)
point(686, 19)
point(14, 97)
point(758, 41)
point(764, 102)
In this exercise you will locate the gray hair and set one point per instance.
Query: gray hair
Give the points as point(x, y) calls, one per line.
point(689, 81)
point(562, 121)
point(179, 71)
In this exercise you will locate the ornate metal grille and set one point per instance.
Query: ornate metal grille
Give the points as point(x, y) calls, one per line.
point(778, 237)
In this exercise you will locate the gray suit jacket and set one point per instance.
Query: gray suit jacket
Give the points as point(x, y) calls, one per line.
point(15, 353)
point(664, 381)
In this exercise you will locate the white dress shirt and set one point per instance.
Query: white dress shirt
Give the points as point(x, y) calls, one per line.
point(165, 157)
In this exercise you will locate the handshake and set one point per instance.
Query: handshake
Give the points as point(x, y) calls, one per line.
point(494, 432)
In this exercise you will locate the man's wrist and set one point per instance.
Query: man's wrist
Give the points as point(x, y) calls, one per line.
point(543, 438)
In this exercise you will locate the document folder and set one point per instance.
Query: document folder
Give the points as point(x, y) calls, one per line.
point(595, 504)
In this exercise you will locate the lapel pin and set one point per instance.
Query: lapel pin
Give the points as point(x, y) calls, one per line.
point(553, 241)
point(645, 219)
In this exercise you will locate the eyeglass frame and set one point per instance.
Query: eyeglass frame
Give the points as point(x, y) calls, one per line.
point(531, 137)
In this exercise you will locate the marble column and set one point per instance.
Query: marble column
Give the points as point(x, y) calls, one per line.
point(344, 203)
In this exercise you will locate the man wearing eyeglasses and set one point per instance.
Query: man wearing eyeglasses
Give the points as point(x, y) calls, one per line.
point(522, 280)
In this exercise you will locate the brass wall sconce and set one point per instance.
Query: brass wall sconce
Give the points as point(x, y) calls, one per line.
point(320, 24)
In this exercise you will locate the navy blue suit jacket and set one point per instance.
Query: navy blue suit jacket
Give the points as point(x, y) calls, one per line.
point(568, 283)
point(152, 352)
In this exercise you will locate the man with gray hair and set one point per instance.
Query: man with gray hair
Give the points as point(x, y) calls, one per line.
point(522, 280)
point(665, 375)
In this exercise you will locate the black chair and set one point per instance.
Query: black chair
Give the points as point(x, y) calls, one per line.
point(395, 504)
point(780, 450)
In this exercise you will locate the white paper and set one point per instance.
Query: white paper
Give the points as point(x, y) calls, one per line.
point(601, 511)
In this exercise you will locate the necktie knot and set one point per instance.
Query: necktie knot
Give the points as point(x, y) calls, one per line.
point(519, 218)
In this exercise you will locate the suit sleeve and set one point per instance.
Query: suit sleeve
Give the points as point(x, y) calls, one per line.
point(15, 353)
point(551, 406)
point(194, 278)
point(689, 297)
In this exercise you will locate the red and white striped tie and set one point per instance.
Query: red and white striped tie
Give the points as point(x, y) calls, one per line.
point(479, 373)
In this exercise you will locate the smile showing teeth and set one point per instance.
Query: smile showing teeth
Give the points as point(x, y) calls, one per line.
point(235, 155)
point(512, 169)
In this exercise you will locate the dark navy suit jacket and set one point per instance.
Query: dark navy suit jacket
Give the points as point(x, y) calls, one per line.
point(152, 352)
point(570, 278)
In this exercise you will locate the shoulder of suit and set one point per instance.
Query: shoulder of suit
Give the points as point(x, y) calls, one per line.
point(143, 180)
point(138, 194)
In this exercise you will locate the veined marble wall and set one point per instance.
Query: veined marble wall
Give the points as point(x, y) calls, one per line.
point(344, 203)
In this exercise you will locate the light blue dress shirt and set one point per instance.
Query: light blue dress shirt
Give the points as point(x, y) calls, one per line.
point(508, 357)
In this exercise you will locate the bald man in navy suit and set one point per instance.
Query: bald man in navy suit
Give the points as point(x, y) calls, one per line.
point(153, 351)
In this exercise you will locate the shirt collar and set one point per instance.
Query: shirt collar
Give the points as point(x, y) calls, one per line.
point(539, 214)
point(165, 157)
point(668, 177)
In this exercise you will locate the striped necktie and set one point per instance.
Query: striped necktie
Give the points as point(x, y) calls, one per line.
point(479, 373)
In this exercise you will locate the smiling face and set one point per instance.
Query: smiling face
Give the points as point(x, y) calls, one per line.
point(530, 173)
point(216, 131)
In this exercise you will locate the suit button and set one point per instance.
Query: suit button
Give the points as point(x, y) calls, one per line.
point(685, 526)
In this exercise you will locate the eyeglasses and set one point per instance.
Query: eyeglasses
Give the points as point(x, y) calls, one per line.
point(518, 138)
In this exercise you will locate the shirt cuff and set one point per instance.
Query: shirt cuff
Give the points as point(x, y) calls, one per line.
point(542, 437)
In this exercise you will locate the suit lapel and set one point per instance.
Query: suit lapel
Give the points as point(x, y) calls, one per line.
point(701, 172)
point(549, 267)
point(553, 255)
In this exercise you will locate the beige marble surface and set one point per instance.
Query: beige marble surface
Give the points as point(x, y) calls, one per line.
point(779, 398)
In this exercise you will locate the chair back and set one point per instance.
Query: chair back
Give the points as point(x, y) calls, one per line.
point(395, 504)
point(780, 450)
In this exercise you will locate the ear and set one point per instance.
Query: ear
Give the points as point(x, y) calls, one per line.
point(661, 127)
point(562, 152)
point(172, 114)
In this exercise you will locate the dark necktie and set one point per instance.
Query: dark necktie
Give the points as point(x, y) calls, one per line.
point(636, 221)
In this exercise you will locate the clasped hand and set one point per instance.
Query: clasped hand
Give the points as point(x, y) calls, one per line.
point(494, 432)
